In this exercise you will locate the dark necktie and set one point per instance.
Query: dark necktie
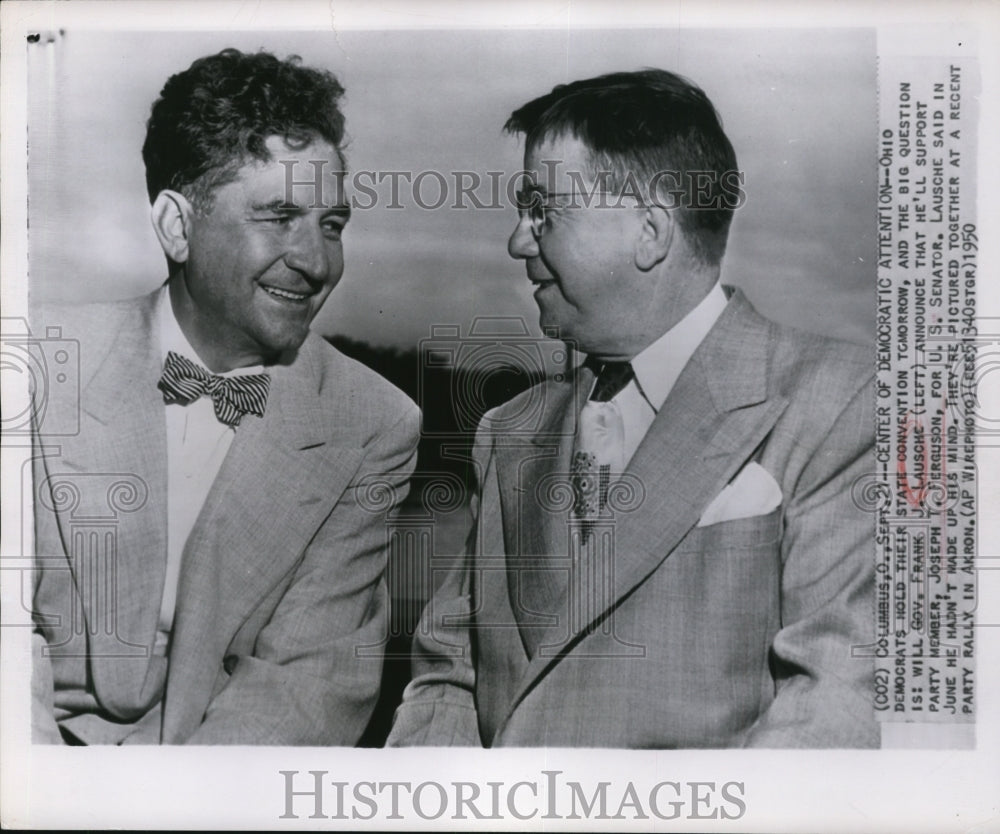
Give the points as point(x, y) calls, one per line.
point(599, 449)
point(183, 382)
point(612, 377)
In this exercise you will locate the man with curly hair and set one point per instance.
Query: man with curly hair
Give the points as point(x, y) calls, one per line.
point(230, 592)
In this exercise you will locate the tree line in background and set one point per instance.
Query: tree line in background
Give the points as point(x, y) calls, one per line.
point(453, 400)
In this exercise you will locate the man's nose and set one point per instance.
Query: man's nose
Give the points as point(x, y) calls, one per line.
point(307, 252)
point(522, 243)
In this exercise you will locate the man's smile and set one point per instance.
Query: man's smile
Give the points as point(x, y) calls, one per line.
point(287, 295)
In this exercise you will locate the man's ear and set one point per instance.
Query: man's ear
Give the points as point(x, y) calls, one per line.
point(655, 237)
point(171, 215)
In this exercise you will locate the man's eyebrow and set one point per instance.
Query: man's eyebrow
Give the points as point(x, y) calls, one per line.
point(281, 205)
point(340, 210)
point(277, 204)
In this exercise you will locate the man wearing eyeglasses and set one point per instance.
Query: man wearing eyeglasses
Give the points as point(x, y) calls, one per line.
point(672, 558)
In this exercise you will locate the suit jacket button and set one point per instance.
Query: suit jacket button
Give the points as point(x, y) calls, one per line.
point(229, 663)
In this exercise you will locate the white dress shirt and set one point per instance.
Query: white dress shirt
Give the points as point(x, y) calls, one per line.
point(197, 443)
point(659, 365)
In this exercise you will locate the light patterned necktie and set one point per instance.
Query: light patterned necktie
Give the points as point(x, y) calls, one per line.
point(183, 382)
point(599, 450)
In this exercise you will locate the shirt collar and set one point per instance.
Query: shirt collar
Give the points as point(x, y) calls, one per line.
point(659, 365)
point(172, 338)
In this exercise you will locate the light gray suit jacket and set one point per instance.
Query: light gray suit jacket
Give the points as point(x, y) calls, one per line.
point(749, 631)
point(281, 604)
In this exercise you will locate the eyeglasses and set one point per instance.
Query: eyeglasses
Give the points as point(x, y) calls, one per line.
point(533, 204)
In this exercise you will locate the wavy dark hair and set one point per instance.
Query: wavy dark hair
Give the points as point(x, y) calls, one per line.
point(215, 116)
point(637, 124)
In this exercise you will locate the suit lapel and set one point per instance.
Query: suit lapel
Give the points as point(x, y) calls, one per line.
point(119, 542)
point(535, 496)
point(716, 415)
point(278, 483)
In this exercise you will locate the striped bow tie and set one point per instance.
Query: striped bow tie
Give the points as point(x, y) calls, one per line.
point(233, 396)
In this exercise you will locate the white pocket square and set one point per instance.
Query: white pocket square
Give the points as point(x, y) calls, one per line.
point(752, 492)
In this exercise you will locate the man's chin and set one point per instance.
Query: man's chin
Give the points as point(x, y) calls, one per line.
point(552, 325)
point(284, 344)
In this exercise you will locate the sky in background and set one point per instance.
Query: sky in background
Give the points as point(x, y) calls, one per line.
point(798, 105)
